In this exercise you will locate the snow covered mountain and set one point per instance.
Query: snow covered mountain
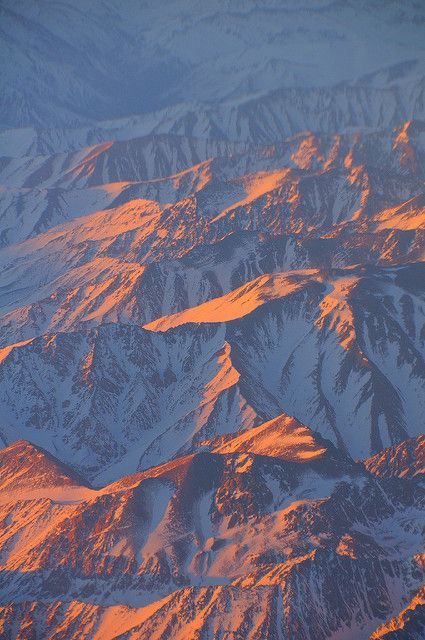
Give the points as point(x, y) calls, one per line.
point(276, 525)
point(65, 63)
point(212, 320)
point(113, 395)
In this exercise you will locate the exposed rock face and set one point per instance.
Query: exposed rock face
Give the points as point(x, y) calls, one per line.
point(403, 460)
point(410, 623)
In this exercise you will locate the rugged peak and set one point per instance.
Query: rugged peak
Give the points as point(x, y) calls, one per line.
point(24, 466)
point(283, 437)
point(403, 460)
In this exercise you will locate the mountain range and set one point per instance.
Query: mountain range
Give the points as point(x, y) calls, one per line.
point(212, 320)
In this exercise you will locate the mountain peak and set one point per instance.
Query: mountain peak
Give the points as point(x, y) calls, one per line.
point(283, 437)
point(25, 466)
point(403, 460)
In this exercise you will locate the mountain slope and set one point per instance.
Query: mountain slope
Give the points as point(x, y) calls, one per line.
point(410, 623)
point(119, 397)
point(25, 467)
point(346, 337)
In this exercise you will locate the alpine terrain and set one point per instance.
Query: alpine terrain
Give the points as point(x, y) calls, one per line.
point(212, 320)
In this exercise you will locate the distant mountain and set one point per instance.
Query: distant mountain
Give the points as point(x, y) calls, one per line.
point(67, 64)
